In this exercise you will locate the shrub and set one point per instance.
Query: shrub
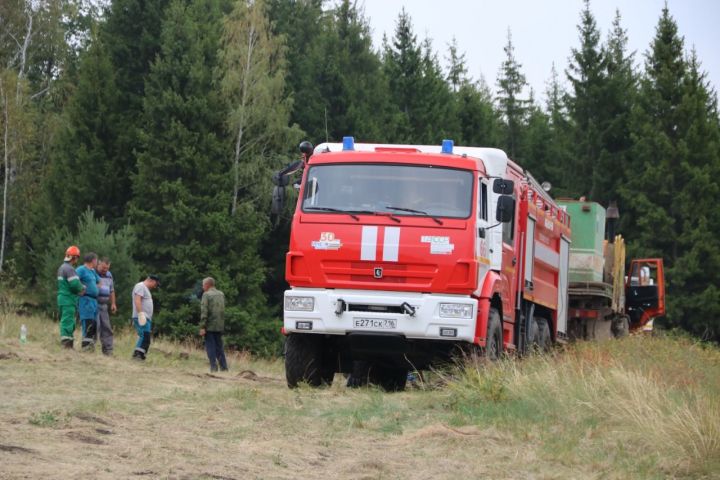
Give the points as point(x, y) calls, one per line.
point(92, 236)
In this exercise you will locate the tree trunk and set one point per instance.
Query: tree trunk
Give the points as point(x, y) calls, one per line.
point(241, 122)
point(6, 178)
point(23, 57)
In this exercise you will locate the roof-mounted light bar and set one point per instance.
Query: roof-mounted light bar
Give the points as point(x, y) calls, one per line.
point(348, 144)
point(447, 146)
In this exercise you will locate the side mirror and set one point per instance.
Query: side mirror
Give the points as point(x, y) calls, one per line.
point(503, 187)
point(505, 208)
point(278, 200)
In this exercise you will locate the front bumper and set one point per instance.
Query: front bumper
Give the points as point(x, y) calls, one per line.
point(426, 323)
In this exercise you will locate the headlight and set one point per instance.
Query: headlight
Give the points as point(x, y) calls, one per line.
point(456, 310)
point(300, 304)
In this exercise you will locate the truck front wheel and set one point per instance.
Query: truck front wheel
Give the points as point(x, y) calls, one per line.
point(303, 359)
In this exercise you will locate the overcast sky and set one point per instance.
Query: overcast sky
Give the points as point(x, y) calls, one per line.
point(544, 31)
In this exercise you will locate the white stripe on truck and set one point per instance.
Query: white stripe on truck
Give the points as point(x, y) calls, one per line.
point(368, 245)
point(391, 244)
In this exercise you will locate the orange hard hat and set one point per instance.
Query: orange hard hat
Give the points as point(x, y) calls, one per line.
point(72, 251)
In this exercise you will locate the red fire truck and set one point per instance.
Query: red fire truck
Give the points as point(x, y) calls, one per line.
point(401, 256)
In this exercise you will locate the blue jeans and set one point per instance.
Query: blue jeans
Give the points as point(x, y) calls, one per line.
point(144, 336)
point(215, 351)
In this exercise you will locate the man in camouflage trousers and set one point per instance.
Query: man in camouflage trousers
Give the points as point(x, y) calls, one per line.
point(212, 324)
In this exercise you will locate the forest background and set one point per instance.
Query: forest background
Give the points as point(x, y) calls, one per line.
point(148, 131)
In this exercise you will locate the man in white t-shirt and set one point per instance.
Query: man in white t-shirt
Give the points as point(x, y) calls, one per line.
point(142, 305)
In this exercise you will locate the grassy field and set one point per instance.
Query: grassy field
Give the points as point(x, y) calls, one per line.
point(643, 407)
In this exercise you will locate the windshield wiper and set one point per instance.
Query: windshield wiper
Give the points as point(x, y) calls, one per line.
point(387, 214)
point(419, 212)
point(335, 210)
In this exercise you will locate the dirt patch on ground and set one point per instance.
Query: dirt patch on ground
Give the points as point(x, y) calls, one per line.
point(8, 356)
point(81, 437)
point(92, 418)
point(16, 449)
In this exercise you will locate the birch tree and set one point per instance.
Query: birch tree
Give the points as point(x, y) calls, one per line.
point(16, 40)
point(252, 72)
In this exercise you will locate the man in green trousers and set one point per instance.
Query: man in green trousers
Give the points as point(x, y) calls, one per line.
point(69, 288)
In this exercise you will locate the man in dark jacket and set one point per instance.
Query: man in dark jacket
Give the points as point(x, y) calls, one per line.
point(212, 324)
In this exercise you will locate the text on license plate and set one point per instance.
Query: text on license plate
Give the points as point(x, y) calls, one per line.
point(375, 323)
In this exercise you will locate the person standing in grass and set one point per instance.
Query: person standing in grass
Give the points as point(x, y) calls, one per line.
point(142, 304)
point(106, 305)
point(87, 304)
point(69, 288)
point(212, 324)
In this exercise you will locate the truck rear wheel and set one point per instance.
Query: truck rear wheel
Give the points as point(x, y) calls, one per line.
point(533, 335)
point(389, 379)
point(494, 340)
point(621, 327)
point(544, 337)
point(303, 359)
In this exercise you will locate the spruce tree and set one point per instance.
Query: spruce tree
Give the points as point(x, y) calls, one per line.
point(353, 89)
point(422, 98)
point(457, 68)
point(618, 95)
point(402, 63)
point(303, 24)
point(559, 142)
point(182, 202)
point(587, 75)
point(671, 180)
point(84, 172)
point(131, 37)
point(479, 123)
point(511, 83)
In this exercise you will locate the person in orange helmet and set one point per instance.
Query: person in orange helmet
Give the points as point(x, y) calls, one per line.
point(69, 289)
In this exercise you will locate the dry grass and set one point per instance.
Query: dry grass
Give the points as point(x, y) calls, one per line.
point(594, 411)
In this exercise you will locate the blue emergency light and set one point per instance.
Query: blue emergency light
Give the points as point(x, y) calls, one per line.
point(447, 146)
point(348, 144)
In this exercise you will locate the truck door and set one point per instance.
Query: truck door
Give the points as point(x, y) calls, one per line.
point(509, 264)
point(645, 291)
point(483, 234)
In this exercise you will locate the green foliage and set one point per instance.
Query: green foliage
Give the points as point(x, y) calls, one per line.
point(84, 172)
point(159, 116)
point(422, 99)
point(182, 207)
point(675, 166)
point(93, 235)
point(511, 83)
point(46, 418)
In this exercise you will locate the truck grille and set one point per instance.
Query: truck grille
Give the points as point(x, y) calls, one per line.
point(410, 274)
point(356, 307)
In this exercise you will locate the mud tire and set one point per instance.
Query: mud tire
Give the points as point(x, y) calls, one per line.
point(494, 340)
point(390, 379)
point(303, 359)
point(544, 338)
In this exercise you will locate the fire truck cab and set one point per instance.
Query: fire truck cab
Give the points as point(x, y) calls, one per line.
point(402, 256)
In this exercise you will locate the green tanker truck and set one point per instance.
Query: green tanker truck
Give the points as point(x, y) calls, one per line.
point(603, 301)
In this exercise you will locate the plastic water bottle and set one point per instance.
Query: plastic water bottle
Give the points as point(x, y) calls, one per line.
point(23, 334)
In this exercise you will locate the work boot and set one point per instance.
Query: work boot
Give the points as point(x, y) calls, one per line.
point(67, 343)
point(138, 356)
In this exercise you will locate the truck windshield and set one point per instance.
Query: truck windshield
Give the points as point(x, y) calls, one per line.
point(401, 189)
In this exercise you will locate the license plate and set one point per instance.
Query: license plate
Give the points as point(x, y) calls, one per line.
point(384, 323)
